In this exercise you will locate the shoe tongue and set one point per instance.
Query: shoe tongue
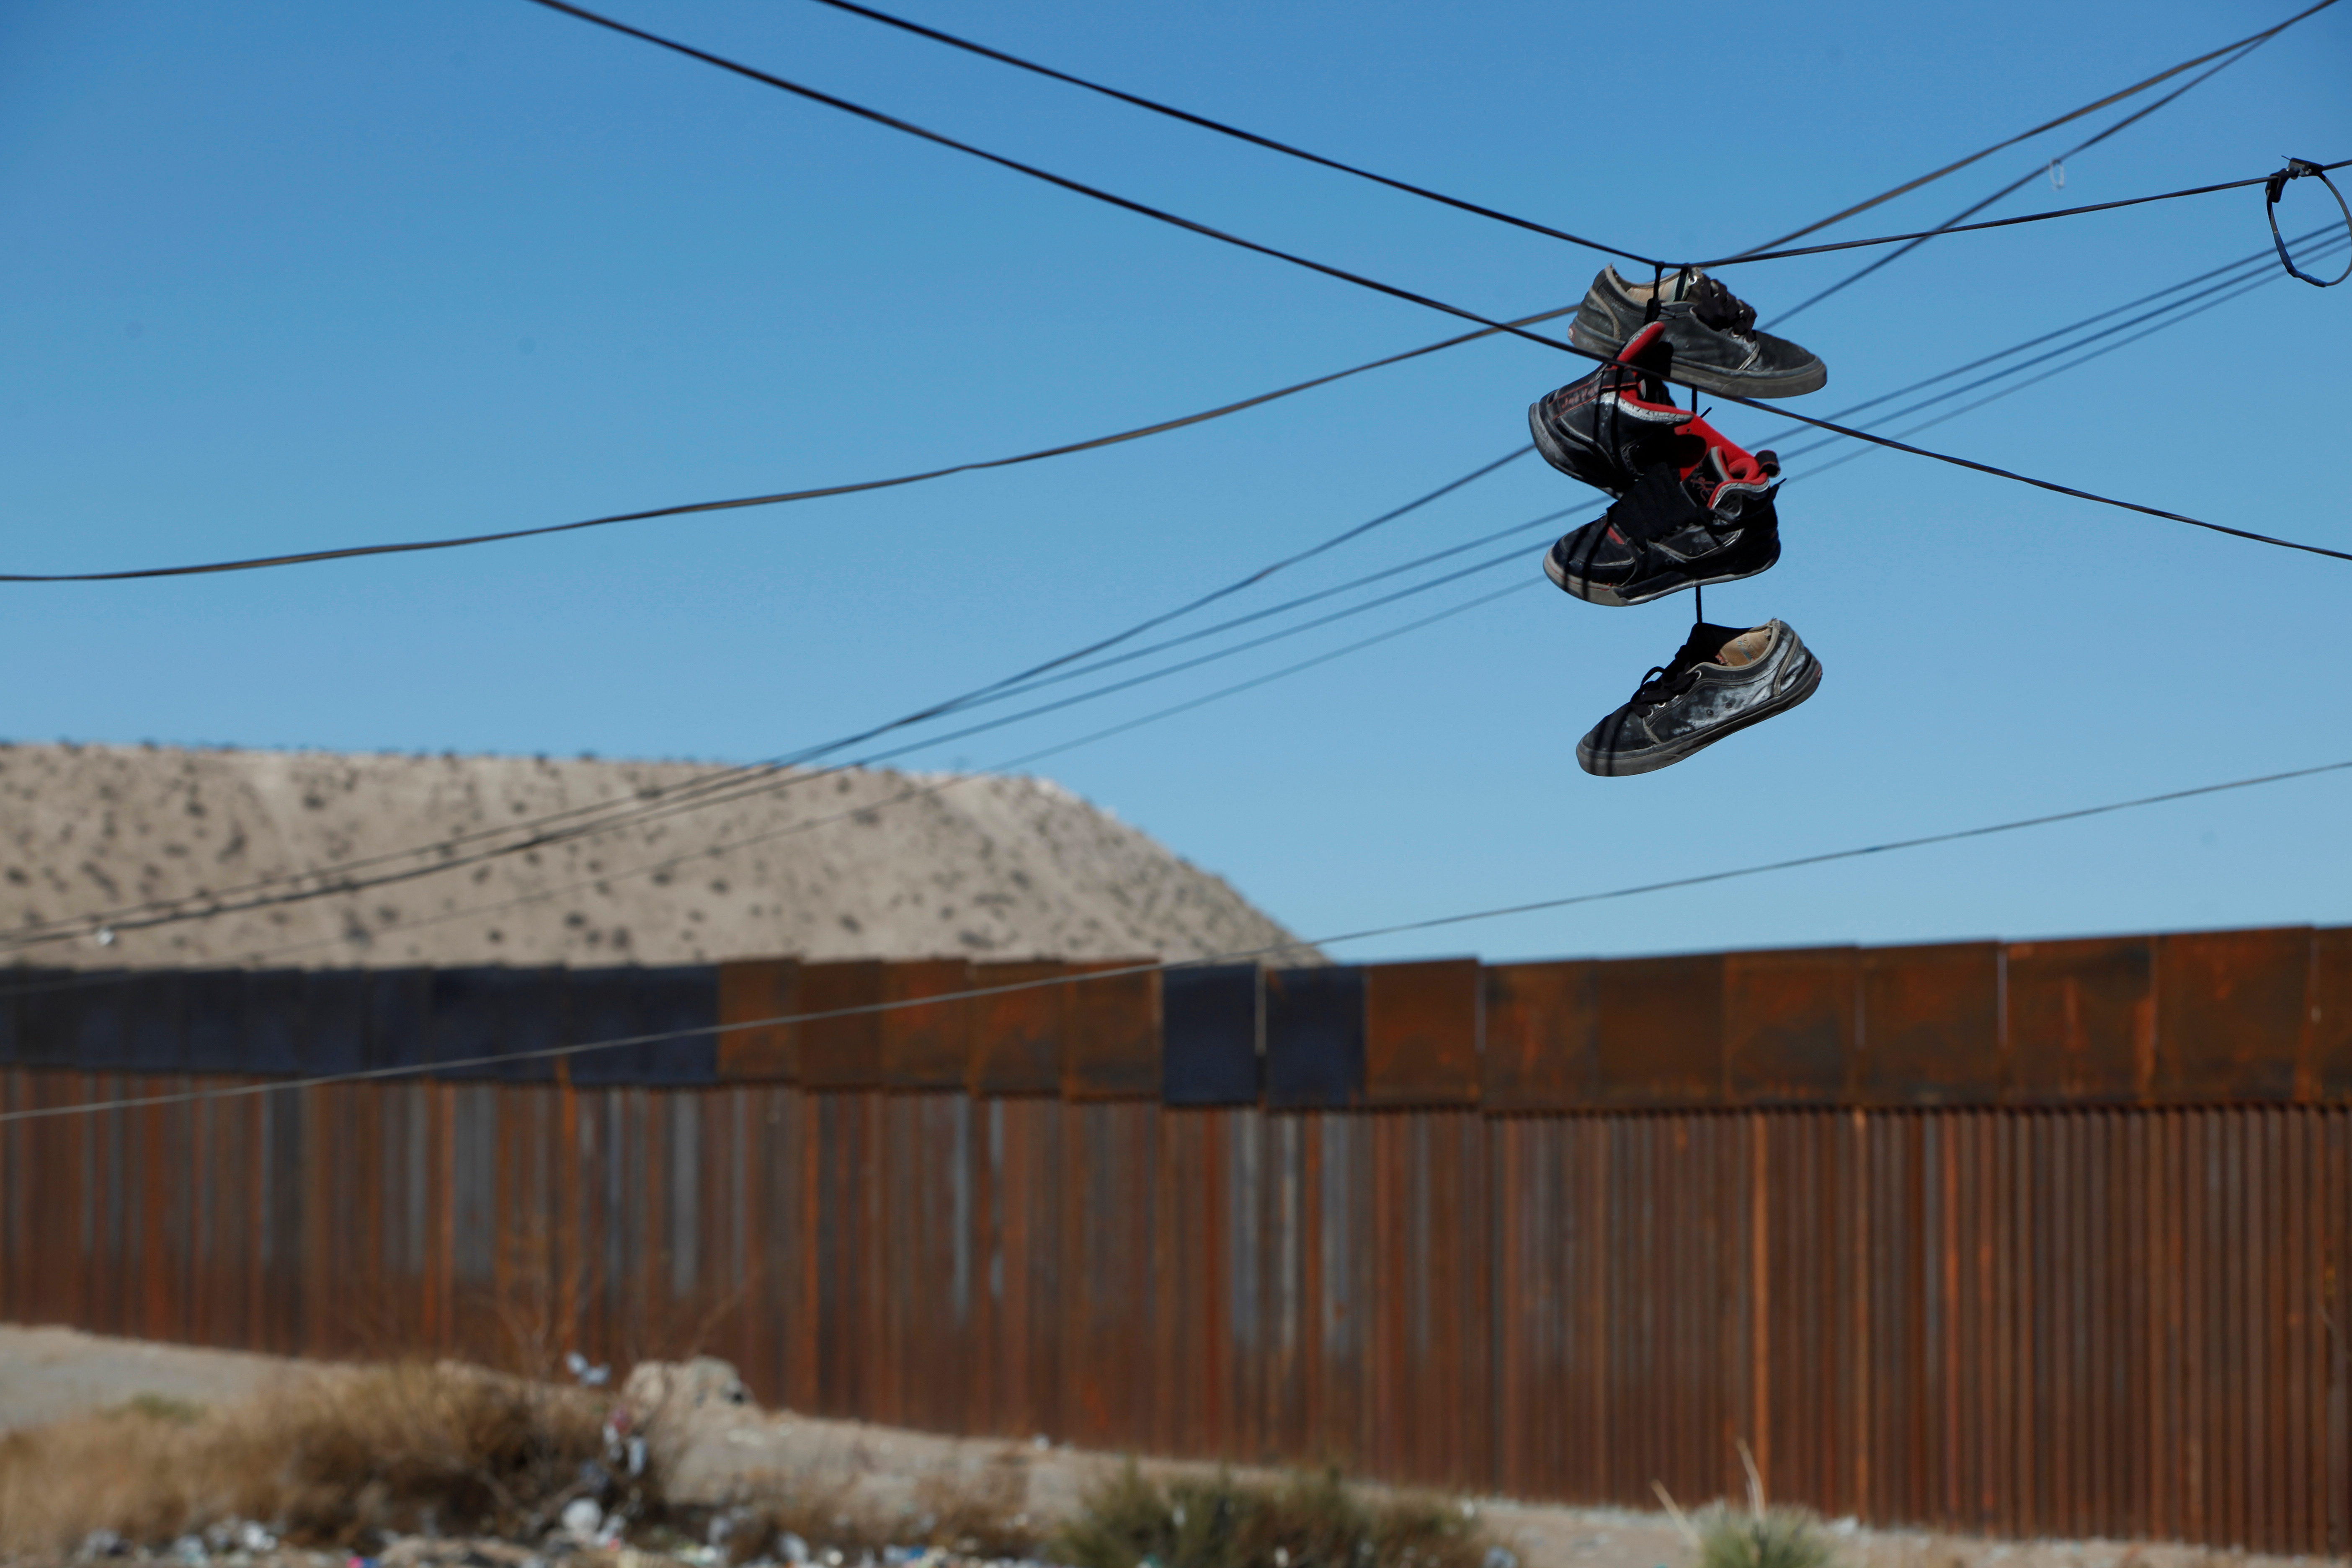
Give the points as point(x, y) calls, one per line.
point(1732, 647)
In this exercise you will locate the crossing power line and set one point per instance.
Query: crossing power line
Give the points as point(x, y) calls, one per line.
point(775, 772)
point(1410, 296)
point(2236, 51)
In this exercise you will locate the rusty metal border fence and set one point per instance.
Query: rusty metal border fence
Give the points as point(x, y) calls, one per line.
point(2035, 1239)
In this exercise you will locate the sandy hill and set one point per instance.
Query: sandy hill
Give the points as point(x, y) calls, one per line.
point(855, 864)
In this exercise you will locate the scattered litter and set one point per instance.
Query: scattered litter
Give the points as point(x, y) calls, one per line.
point(796, 1550)
point(581, 1517)
point(101, 1543)
point(589, 1376)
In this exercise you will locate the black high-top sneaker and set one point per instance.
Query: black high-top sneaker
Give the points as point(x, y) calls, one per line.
point(1724, 680)
point(1605, 429)
point(1713, 335)
point(1689, 522)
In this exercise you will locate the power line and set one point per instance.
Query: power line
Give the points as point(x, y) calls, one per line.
point(714, 851)
point(625, 814)
point(2028, 177)
point(1396, 293)
point(1941, 230)
point(1909, 186)
point(1401, 927)
point(2242, 47)
point(1096, 193)
point(279, 899)
point(1221, 127)
point(2245, 282)
point(1014, 685)
point(2260, 258)
point(311, 557)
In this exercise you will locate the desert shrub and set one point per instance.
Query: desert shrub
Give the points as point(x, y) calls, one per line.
point(326, 1458)
point(1306, 1521)
point(1767, 1538)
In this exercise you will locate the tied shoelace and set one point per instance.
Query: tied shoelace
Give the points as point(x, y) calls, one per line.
point(1665, 682)
point(1716, 306)
point(1662, 684)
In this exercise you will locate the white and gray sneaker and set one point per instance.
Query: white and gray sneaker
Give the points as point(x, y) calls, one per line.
point(1725, 679)
point(1711, 334)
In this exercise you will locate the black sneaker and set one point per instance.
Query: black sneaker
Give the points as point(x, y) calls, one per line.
point(1724, 680)
point(1679, 527)
point(1713, 335)
point(1604, 429)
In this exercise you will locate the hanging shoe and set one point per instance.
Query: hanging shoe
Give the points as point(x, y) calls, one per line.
point(1604, 429)
point(1713, 335)
point(1724, 680)
point(1703, 516)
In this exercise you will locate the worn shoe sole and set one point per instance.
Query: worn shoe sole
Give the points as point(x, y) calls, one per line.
point(1730, 383)
point(1620, 764)
point(1594, 593)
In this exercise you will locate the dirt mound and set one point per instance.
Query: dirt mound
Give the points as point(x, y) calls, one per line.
point(859, 864)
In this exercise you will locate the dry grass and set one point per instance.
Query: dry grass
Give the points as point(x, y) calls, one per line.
point(327, 1458)
point(1308, 1521)
point(1777, 1537)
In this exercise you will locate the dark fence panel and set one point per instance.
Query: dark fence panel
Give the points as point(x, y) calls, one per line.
point(1209, 1024)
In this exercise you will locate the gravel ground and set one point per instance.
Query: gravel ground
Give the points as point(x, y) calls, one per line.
point(47, 1373)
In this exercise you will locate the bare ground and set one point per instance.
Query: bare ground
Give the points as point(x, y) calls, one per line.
point(858, 863)
point(49, 1373)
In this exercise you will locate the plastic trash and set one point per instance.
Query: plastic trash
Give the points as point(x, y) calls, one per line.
point(796, 1550)
point(251, 1537)
point(581, 1517)
point(191, 1548)
point(101, 1543)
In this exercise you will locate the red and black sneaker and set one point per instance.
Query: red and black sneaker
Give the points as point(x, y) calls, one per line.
point(1604, 429)
point(1699, 516)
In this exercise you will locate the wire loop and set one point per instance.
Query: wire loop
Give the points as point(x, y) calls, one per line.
point(2297, 169)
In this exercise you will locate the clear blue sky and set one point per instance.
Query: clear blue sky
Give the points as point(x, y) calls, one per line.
point(285, 276)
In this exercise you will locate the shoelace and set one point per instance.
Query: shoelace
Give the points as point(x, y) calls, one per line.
point(1716, 306)
point(1664, 683)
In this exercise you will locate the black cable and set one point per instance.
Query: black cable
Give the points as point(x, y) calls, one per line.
point(1909, 186)
point(1538, 906)
point(311, 557)
point(2237, 50)
point(725, 784)
point(1219, 126)
point(460, 542)
point(2027, 178)
point(714, 851)
point(2297, 169)
point(2240, 265)
point(2242, 282)
point(1393, 291)
point(305, 895)
point(2035, 380)
point(1975, 228)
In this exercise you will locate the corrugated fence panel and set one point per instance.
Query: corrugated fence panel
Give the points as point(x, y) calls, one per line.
point(2028, 1240)
point(2112, 1321)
